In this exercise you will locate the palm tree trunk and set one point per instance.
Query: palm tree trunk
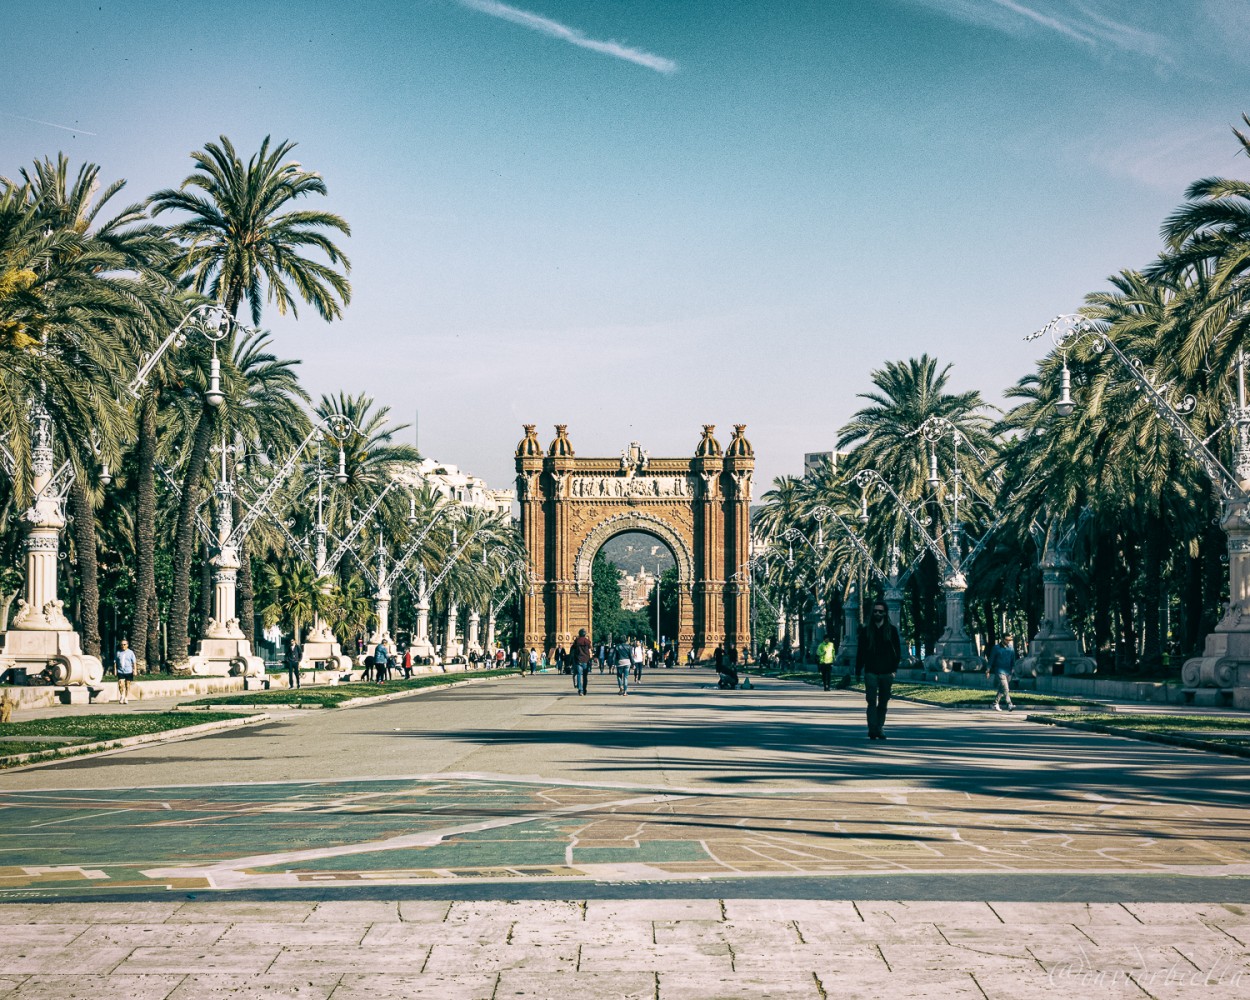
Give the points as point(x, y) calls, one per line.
point(245, 591)
point(1105, 571)
point(1215, 580)
point(204, 607)
point(1152, 572)
point(1191, 606)
point(185, 541)
point(1126, 655)
point(88, 567)
point(145, 534)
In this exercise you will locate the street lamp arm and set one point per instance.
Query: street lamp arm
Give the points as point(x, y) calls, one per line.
point(217, 326)
point(364, 567)
point(823, 511)
point(361, 521)
point(452, 561)
point(1070, 329)
point(936, 426)
point(336, 424)
point(7, 458)
point(201, 525)
point(409, 552)
point(871, 477)
point(57, 488)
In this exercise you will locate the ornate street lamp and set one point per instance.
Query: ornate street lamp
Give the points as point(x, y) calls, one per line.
point(1225, 663)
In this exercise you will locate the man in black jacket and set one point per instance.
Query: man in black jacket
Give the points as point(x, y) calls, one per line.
point(877, 656)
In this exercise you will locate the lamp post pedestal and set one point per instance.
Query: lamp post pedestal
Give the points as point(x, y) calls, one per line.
point(1223, 670)
point(451, 646)
point(473, 643)
point(1055, 648)
point(421, 645)
point(382, 608)
point(41, 647)
point(322, 649)
point(850, 631)
point(954, 650)
point(224, 650)
point(490, 630)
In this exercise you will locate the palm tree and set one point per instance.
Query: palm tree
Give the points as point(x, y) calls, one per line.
point(81, 281)
point(297, 596)
point(241, 241)
point(885, 436)
point(263, 414)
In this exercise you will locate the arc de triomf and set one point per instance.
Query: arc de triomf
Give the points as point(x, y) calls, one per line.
point(699, 507)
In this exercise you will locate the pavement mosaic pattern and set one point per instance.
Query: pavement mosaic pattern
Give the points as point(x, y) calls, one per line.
point(442, 828)
point(695, 949)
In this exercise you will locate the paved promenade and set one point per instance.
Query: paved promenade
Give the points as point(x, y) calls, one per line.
point(510, 839)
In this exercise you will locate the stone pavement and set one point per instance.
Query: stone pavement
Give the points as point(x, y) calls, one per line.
point(701, 949)
point(682, 842)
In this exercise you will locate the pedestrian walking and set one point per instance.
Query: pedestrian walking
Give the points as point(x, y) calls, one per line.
point(824, 654)
point(533, 660)
point(294, 654)
point(877, 656)
point(603, 655)
point(381, 662)
point(623, 655)
point(582, 654)
point(636, 655)
point(125, 664)
point(1002, 666)
point(407, 663)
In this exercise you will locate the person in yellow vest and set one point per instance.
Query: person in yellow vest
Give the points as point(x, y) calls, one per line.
point(824, 655)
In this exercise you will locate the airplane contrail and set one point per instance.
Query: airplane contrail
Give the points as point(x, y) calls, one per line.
point(37, 121)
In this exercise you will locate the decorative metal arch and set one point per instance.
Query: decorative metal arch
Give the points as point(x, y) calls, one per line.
point(634, 521)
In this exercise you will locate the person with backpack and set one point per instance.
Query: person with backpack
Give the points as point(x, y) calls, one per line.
point(623, 655)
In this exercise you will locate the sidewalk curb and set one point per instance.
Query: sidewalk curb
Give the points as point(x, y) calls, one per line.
point(88, 749)
point(372, 699)
point(1186, 742)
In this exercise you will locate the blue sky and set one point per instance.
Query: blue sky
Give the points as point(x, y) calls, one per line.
point(639, 216)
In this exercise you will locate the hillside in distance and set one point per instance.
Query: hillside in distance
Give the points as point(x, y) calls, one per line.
point(635, 551)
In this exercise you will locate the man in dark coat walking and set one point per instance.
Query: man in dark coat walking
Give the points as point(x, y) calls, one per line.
point(877, 656)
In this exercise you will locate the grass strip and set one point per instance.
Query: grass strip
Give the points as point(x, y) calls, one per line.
point(80, 734)
point(951, 696)
point(1221, 734)
point(110, 726)
point(10, 747)
point(333, 696)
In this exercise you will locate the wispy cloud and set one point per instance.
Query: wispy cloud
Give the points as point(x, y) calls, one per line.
point(1168, 159)
point(1072, 19)
point(573, 36)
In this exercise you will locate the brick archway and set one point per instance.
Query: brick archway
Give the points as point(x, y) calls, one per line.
point(698, 506)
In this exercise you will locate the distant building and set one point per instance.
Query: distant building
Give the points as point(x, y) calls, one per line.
point(636, 590)
point(460, 487)
point(815, 461)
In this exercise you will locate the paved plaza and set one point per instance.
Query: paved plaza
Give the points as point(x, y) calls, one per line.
point(508, 838)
